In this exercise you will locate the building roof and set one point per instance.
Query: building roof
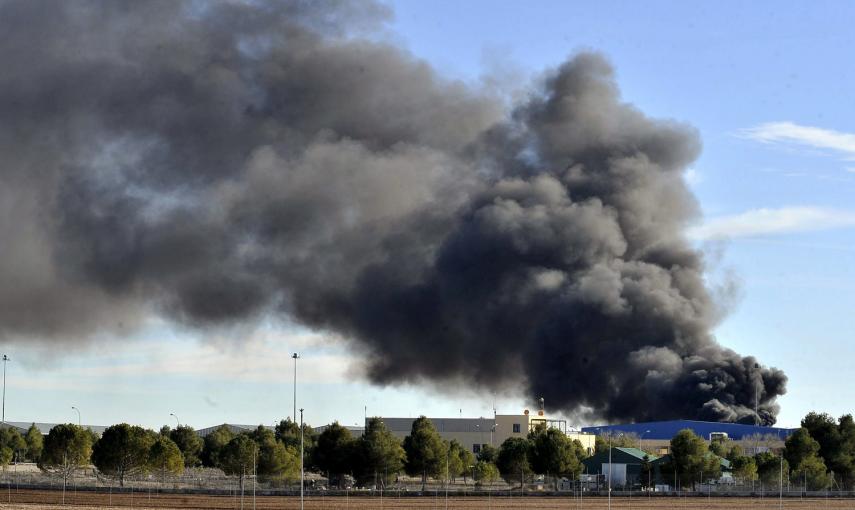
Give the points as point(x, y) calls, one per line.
point(725, 464)
point(637, 453)
point(665, 430)
point(235, 428)
point(44, 428)
point(405, 425)
point(354, 429)
point(619, 456)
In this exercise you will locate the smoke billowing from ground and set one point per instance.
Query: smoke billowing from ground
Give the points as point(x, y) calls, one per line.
point(216, 163)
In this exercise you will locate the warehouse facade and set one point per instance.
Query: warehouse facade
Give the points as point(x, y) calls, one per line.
point(656, 435)
point(475, 433)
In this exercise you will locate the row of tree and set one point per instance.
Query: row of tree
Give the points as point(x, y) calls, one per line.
point(819, 453)
point(380, 457)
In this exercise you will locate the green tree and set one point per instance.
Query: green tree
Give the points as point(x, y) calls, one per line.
point(814, 473)
point(734, 452)
point(646, 472)
point(554, 453)
point(164, 457)
point(467, 460)
point(238, 457)
point(721, 447)
point(488, 453)
point(486, 473)
point(35, 443)
point(845, 463)
point(744, 468)
point(770, 468)
point(123, 450)
point(67, 448)
point(601, 442)
point(691, 459)
point(800, 446)
point(334, 454)
point(275, 460)
point(190, 444)
point(836, 444)
point(379, 453)
point(288, 432)
point(425, 451)
point(13, 440)
point(213, 446)
point(454, 466)
point(6, 455)
point(514, 459)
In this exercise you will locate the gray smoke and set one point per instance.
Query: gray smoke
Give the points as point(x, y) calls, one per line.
point(216, 163)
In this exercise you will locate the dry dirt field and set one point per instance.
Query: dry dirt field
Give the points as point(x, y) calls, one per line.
point(37, 500)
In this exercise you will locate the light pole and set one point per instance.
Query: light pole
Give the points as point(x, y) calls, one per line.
point(176, 419)
point(302, 473)
point(5, 359)
point(78, 415)
point(296, 357)
point(480, 433)
point(648, 466)
point(610, 468)
point(781, 482)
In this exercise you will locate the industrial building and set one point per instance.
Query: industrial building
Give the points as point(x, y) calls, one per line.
point(656, 435)
point(23, 426)
point(234, 428)
point(624, 467)
point(475, 433)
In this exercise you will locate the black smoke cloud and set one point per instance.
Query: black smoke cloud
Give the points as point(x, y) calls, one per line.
point(216, 163)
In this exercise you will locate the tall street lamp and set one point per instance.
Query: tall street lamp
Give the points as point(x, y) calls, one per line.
point(78, 415)
point(176, 419)
point(610, 468)
point(640, 439)
point(296, 357)
point(5, 359)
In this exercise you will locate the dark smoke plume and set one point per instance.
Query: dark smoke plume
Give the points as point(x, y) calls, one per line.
point(219, 162)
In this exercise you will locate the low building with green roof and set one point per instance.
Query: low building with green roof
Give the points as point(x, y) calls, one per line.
point(626, 465)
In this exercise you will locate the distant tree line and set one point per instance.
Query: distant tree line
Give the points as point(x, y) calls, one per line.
point(819, 455)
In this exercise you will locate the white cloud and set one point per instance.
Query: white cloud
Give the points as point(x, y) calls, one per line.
point(809, 136)
point(764, 222)
point(693, 177)
point(850, 169)
point(260, 357)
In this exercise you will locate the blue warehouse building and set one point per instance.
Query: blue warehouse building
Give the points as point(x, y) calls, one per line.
point(665, 430)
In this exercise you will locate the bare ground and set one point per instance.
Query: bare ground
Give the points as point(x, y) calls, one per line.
point(37, 500)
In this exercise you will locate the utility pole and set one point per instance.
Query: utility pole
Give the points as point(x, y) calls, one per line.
point(302, 472)
point(295, 356)
point(610, 472)
point(5, 359)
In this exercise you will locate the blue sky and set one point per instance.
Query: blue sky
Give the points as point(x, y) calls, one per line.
point(768, 86)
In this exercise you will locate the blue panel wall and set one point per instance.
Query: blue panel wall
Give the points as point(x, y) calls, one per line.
point(664, 430)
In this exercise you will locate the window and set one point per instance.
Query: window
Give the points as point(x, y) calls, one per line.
point(516, 428)
point(476, 448)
